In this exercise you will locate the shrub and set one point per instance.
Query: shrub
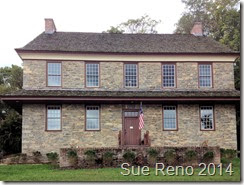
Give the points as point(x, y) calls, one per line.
point(72, 157)
point(170, 156)
point(37, 156)
point(129, 156)
point(228, 153)
point(108, 158)
point(90, 157)
point(52, 157)
point(153, 154)
point(191, 155)
point(208, 156)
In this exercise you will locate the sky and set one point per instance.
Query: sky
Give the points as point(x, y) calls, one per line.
point(22, 21)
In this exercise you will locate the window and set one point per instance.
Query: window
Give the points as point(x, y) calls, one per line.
point(207, 122)
point(54, 74)
point(168, 75)
point(131, 75)
point(169, 118)
point(92, 75)
point(205, 75)
point(131, 114)
point(92, 118)
point(53, 117)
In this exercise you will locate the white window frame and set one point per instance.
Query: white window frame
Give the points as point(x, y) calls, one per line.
point(59, 75)
point(48, 118)
point(163, 75)
point(98, 108)
point(98, 74)
point(201, 76)
point(131, 75)
point(213, 121)
point(176, 124)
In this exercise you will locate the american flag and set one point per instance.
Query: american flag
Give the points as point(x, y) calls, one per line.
point(141, 118)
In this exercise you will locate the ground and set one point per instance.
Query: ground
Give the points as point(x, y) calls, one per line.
point(48, 173)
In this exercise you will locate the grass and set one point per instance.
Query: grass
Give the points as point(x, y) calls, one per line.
point(48, 173)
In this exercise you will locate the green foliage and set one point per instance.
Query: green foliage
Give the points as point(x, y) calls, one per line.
point(143, 24)
point(37, 153)
point(191, 155)
point(170, 156)
point(10, 120)
point(129, 156)
point(221, 20)
point(37, 156)
point(90, 153)
point(52, 157)
point(208, 156)
point(108, 155)
point(153, 153)
point(72, 153)
point(228, 153)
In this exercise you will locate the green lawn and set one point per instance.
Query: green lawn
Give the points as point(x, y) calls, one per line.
point(47, 173)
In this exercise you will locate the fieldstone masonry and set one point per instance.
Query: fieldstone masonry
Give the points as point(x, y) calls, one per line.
point(111, 75)
point(35, 138)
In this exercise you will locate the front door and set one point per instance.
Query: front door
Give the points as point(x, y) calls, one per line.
point(132, 133)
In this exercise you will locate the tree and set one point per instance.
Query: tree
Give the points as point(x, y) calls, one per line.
point(221, 21)
point(11, 79)
point(141, 25)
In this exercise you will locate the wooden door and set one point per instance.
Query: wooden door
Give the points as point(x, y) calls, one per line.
point(132, 133)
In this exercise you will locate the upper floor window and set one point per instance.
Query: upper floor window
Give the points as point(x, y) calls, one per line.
point(205, 75)
point(54, 74)
point(53, 117)
point(92, 75)
point(169, 118)
point(168, 71)
point(92, 118)
point(207, 121)
point(131, 75)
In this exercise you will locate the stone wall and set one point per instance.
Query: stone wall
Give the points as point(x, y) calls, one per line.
point(35, 138)
point(141, 156)
point(111, 75)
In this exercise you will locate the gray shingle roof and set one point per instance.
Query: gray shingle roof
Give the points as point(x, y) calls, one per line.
point(125, 43)
point(124, 94)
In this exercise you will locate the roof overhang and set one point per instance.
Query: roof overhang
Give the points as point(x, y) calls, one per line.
point(120, 57)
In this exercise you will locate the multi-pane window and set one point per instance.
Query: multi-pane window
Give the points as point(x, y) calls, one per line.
point(131, 75)
point(53, 117)
point(169, 118)
point(207, 122)
point(92, 118)
point(205, 75)
point(168, 71)
point(131, 114)
point(92, 75)
point(54, 74)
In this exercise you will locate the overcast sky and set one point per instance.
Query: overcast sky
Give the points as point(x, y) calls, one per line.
point(23, 20)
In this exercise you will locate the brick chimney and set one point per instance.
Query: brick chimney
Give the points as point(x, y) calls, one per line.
point(197, 29)
point(50, 27)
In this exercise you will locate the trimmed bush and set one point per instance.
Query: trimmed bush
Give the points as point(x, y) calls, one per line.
point(190, 155)
point(129, 156)
point(37, 156)
point(170, 157)
point(52, 157)
point(90, 157)
point(152, 156)
point(72, 157)
point(228, 153)
point(208, 156)
point(108, 158)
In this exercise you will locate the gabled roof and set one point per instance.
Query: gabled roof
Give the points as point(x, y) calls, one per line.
point(126, 43)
